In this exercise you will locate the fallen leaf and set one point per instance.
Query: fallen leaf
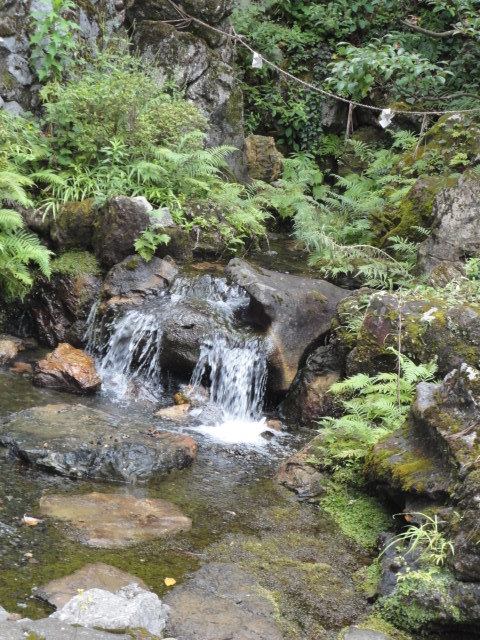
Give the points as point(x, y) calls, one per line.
point(170, 582)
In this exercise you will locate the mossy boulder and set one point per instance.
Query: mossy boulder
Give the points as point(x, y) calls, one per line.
point(434, 457)
point(74, 225)
point(264, 160)
point(431, 327)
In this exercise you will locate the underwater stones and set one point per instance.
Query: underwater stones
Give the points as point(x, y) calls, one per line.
point(129, 608)
point(48, 629)
point(91, 576)
point(294, 311)
point(79, 442)
point(431, 327)
point(8, 350)
point(264, 160)
point(112, 520)
point(119, 224)
point(222, 601)
point(67, 369)
point(456, 226)
point(134, 279)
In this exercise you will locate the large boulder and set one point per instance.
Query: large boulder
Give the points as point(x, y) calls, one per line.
point(74, 225)
point(295, 312)
point(130, 608)
point(434, 458)
point(431, 327)
point(120, 223)
point(79, 442)
point(114, 520)
point(67, 369)
point(222, 601)
point(456, 226)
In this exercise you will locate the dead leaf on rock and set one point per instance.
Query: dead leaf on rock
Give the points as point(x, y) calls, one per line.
point(170, 582)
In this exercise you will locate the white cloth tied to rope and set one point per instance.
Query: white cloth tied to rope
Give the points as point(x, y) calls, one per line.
point(386, 118)
point(257, 62)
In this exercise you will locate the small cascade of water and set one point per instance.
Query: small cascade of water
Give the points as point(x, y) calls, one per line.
point(238, 373)
point(129, 362)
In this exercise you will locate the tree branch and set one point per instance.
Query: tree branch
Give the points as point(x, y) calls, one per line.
point(427, 32)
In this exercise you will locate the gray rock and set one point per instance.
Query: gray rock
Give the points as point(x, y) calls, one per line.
point(456, 226)
point(295, 312)
point(131, 607)
point(18, 68)
point(136, 279)
point(80, 442)
point(13, 107)
point(354, 633)
point(221, 601)
point(3, 614)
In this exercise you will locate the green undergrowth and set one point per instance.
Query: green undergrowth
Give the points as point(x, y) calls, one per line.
point(75, 263)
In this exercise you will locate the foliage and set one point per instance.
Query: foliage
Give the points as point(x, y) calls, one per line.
point(148, 241)
point(18, 248)
point(52, 41)
point(373, 406)
point(379, 65)
point(427, 539)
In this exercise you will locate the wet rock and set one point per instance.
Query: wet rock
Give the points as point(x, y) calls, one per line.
point(295, 312)
point(3, 614)
point(114, 521)
point(130, 608)
point(264, 160)
point(60, 306)
point(22, 368)
point(91, 576)
point(308, 399)
point(67, 369)
point(133, 280)
point(221, 601)
point(8, 351)
point(183, 334)
point(79, 442)
point(456, 226)
point(120, 223)
point(74, 224)
point(431, 328)
point(177, 413)
point(298, 475)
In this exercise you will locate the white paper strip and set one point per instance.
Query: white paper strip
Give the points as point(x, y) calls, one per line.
point(386, 118)
point(257, 62)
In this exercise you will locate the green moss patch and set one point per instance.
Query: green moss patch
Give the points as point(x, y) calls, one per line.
point(75, 263)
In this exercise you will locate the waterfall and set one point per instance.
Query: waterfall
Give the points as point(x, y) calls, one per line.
point(237, 372)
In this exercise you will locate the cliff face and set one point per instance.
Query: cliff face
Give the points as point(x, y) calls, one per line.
point(195, 58)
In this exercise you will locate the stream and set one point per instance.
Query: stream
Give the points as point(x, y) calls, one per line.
point(239, 514)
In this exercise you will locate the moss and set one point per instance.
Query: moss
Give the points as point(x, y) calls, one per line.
point(73, 213)
point(376, 623)
point(368, 578)
point(75, 263)
point(361, 517)
point(131, 265)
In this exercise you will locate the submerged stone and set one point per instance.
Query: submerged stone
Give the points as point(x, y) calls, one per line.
point(79, 442)
point(48, 629)
point(114, 521)
point(91, 576)
point(8, 351)
point(222, 601)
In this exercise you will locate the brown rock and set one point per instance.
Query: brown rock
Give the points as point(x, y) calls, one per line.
point(8, 351)
point(114, 521)
point(67, 369)
point(21, 368)
point(276, 425)
point(264, 160)
point(299, 475)
point(177, 413)
point(91, 576)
